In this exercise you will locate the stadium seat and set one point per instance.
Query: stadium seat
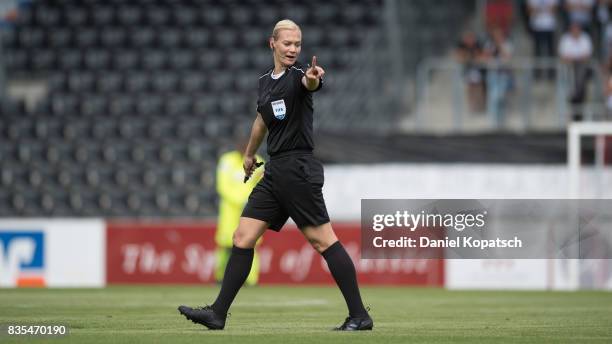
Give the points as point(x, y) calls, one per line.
point(267, 15)
point(192, 81)
point(237, 60)
point(156, 15)
point(104, 129)
point(149, 176)
point(102, 15)
point(220, 82)
point(253, 37)
point(117, 152)
point(5, 205)
point(239, 16)
point(26, 204)
point(214, 16)
point(296, 12)
point(183, 16)
point(234, 106)
point(86, 38)
point(17, 129)
point(353, 15)
point(93, 105)
point(58, 152)
point(315, 38)
point(187, 128)
point(129, 15)
point(125, 59)
point(109, 82)
point(42, 59)
point(96, 59)
point(69, 59)
point(75, 16)
point(73, 130)
point(209, 59)
point(29, 152)
point(31, 37)
point(181, 59)
point(177, 105)
point(169, 37)
point(339, 36)
point(136, 82)
point(325, 13)
point(159, 129)
point(218, 127)
point(9, 37)
point(164, 82)
point(13, 177)
point(246, 82)
point(205, 105)
point(82, 202)
point(197, 38)
point(113, 37)
point(141, 37)
point(16, 60)
point(125, 175)
point(82, 81)
point(46, 128)
point(142, 152)
point(149, 105)
point(57, 82)
point(59, 38)
point(63, 103)
point(129, 128)
point(121, 104)
point(154, 59)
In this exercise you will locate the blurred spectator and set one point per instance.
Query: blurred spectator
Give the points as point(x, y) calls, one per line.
point(542, 24)
point(576, 50)
point(604, 14)
point(233, 194)
point(498, 52)
point(607, 76)
point(580, 12)
point(469, 53)
point(608, 98)
point(498, 14)
point(523, 12)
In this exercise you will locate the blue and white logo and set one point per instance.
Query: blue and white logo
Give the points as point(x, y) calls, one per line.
point(22, 257)
point(279, 109)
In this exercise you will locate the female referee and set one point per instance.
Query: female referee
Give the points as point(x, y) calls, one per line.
point(292, 183)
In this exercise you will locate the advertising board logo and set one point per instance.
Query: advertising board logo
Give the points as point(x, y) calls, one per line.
point(22, 258)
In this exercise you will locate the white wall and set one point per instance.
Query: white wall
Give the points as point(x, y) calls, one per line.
point(346, 185)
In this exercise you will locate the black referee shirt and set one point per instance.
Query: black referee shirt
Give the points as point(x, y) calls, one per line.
point(286, 107)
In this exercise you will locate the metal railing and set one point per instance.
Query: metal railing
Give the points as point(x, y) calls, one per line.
point(522, 71)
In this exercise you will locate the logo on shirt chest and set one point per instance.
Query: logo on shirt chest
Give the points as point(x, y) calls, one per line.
point(278, 108)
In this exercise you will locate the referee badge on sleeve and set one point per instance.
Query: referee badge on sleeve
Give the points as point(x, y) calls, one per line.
point(279, 109)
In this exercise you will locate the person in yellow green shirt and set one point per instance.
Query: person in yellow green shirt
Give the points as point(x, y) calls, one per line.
point(233, 195)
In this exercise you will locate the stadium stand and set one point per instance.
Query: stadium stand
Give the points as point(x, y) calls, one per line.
point(142, 96)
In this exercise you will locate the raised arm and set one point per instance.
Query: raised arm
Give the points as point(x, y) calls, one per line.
point(313, 75)
point(258, 132)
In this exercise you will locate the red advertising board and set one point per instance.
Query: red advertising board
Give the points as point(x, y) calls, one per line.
point(178, 252)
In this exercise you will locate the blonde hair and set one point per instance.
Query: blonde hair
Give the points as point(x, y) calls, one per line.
point(285, 24)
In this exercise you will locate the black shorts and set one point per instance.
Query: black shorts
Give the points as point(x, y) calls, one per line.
point(292, 186)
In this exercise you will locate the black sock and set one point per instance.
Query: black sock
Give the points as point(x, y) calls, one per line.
point(236, 272)
point(342, 268)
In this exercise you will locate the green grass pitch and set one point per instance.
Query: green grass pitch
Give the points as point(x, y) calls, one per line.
point(266, 314)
